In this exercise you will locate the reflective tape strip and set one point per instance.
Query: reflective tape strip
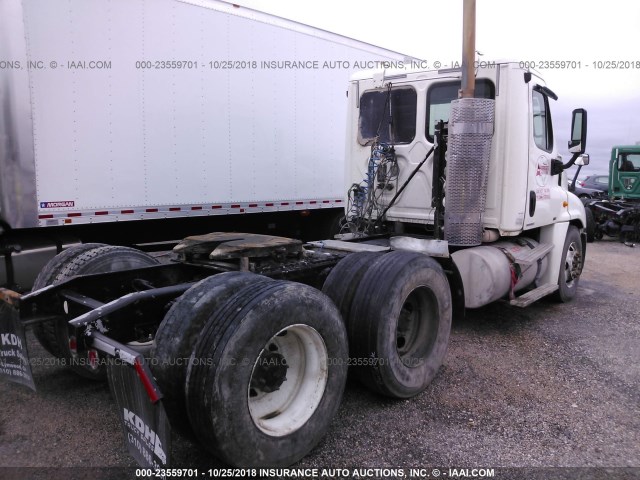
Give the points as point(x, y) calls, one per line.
point(168, 211)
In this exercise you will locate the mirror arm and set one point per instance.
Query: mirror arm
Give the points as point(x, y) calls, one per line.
point(575, 179)
point(558, 167)
point(570, 163)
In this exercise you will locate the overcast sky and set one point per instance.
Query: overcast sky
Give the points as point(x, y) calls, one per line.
point(585, 31)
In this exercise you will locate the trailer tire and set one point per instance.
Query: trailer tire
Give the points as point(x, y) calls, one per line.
point(178, 333)
point(342, 283)
point(94, 258)
point(400, 323)
point(50, 275)
point(591, 225)
point(267, 374)
point(571, 266)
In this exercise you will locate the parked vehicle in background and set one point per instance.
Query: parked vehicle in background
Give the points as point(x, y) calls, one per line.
point(595, 182)
point(582, 192)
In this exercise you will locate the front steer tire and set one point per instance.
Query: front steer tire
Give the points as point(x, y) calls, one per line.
point(267, 374)
point(570, 266)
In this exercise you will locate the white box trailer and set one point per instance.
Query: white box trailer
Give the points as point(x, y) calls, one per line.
point(133, 110)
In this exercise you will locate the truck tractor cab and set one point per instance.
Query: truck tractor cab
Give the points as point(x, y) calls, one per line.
point(401, 176)
point(624, 172)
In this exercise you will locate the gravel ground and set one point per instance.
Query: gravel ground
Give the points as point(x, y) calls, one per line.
point(553, 385)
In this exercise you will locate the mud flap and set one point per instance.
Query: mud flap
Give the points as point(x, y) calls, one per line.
point(145, 423)
point(14, 357)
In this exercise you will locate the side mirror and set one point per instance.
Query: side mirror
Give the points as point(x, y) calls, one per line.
point(578, 142)
point(583, 160)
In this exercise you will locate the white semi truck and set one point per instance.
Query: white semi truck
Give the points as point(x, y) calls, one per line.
point(245, 339)
point(133, 122)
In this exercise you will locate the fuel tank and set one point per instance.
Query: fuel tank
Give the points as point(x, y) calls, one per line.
point(491, 271)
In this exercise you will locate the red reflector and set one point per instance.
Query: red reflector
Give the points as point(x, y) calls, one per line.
point(73, 214)
point(73, 345)
point(251, 205)
point(151, 210)
point(67, 220)
point(148, 386)
point(312, 202)
point(337, 201)
point(196, 208)
point(325, 201)
point(268, 204)
point(124, 212)
point(242, 210)
point(42, 217)
point(174, 209)
point(284, 203)
point(102, 213)
point(299, 203)
point(235, 206)
point(216, 207)
point(93, 359)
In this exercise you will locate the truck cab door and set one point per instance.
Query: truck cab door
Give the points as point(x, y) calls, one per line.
point(545, 197)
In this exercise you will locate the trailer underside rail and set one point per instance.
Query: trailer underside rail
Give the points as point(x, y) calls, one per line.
point(120, 303)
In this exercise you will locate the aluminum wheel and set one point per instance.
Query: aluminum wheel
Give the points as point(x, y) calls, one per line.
point(288, 380)
point(572, 263)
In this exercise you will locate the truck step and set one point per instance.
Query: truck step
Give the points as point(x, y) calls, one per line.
point(535, 294)
point(534, 254)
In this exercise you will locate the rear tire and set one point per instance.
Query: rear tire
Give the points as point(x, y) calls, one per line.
point(400, 323)
point(179, 331)
point(82, 260)
point(342, 283)
point(267, 374)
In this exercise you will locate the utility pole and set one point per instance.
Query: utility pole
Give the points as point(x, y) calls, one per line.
point(468, 49)
point(470, 130)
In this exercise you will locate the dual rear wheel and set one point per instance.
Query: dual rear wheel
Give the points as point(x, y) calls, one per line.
point(264, 370)
point(397, 308)
point(256, 367)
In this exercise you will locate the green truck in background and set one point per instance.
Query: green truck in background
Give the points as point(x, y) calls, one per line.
point(624, 172)
point(620, 214)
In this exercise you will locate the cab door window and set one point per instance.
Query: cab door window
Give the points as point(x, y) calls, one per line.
point(629, 162)
point(542, 129)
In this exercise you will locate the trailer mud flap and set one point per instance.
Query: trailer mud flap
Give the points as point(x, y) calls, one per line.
point(14, 357)
point(145, 424)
